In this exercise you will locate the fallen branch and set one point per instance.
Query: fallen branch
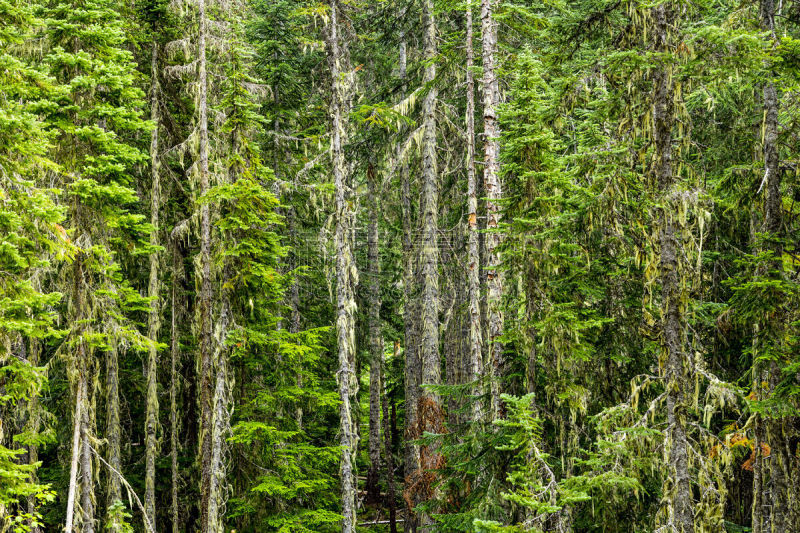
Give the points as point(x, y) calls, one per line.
point(132, 492)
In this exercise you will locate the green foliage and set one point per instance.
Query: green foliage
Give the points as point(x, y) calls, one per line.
point(30, 239)
point(118, 518)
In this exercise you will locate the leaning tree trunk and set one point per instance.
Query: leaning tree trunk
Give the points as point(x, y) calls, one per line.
point(473, 252)
point(375, 341)
point(151, 418)
point(345, 266)
point(429, 412)
point(494, 191)
point(672, 287)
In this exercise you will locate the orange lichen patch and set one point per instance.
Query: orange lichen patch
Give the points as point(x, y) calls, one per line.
point(740, 439)
point(765, 451)
point(62, 233)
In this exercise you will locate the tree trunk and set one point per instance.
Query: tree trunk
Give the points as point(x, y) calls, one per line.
point(34, 424)
point(757, 514)
point(473, 252)
point(673, 319)
point(206, 355)
point(113, 432)
point(494, 191)
point(76, 443)
point(294, 300)
point(375, 341)
point(81, 454)
point(87, 477)
point(430, 416)
point(177, 277)
point(388, 453)
point(773, 223)
point(153, 320)
point(220, 418)
point(410, 348)
point(345, 266)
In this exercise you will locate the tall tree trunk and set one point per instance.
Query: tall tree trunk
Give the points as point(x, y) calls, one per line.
point(177, 277)
point(153, 320)
point(87, 470)
point(34, 423)
point(410, 349)
point(473, 252)
point(494, 191)
point(388, 448)
point(345, 266)
point(81, 454)
point(222, 401)
point(221, 415)
point(673, 309)
point(205, 334)
point(113, 432)
point(430, 416)
point(757, 512)
point(778, 460)
point(76, 444)
point(294, 301)
point(375, 341)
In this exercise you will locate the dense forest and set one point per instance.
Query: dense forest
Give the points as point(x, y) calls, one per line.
point(380, 265)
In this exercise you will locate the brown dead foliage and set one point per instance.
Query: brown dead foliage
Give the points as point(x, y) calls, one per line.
point(419, 484)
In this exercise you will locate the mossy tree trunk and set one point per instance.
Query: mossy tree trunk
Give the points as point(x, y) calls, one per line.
point(346, 277)
point(494, 192)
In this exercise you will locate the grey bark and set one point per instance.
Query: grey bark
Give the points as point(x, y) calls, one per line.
point(34, 423)
point(494, 191)
point(387, 450)
point(73, 469)
point(220, 418)
point(113, 431)
point(294, 301)
point(81, 455)
point(778, 460)
point(430, 416)
point(473, 252)
point(375, 340)
point(206, 355)
point(153, 320)
point(673, 320)
point(87, 477)
point(177, 277)
point(410, 350)
point(345, 266)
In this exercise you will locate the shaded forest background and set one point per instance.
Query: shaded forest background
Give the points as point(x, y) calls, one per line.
point(431, 265)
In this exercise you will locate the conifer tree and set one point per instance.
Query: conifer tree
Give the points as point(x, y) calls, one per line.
point(611, 289)
point(91, 130)
point(33, 242)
